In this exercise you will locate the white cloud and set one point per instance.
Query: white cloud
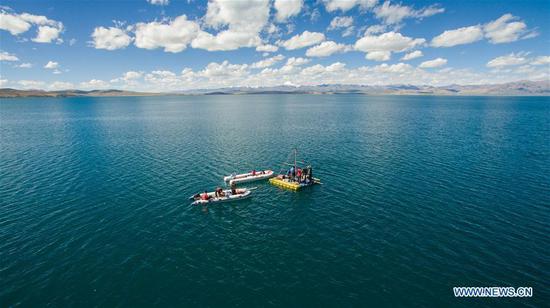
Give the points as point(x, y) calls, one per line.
point(297, 61)
point(397, 68)
point(458, 36)
point(268, 62)
point(25, 65)
point(61, 85)
point(128, 78)
point(47, 34)
point(345, 5)
point(16, 24)
point(244, 20)
point(159, 2)
point(412, 55)
point(326, 49)
point(3, 82)
point(348, 31)
point(395, 13)
point(378, 55)
point(386, 43)
point(51, 65)
point(542, 60)
point(507, 29)
point(94, 84)
point(225, 40)
point(172, 35)
point(508, 60)
point(267, 48)
point(31, 84)
point(111, 38)
point(131, 75)
point(5, 56)
point(433, 63)
point(13, 23)
point(340, 22)
point(375, 29)
point(303, 40)
point(224, 69)
point(287, 8)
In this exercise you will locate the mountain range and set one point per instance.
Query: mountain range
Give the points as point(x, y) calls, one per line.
point(519, 88)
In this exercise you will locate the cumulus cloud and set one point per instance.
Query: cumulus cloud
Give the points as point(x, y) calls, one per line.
point(51, 65)
point(268, 62)
point(224, 69)
point(31, 84)
point(5, 56)
point(305, 39)
point(244, 20)
point(171, 35)
point(383, 45)
point(375, 29)
point(458, 36)
point(61, 85)
point(340, 22)
point(47, 34)
point(326, 49)
point(111, 38)
point(395, 13)
point(378, 55)
point(25, 65)
point(507, 28)
point(159, 2)
point(48, 30)
point(267, 48)
point(433, 63)
point(542, 60)
point(508, 60)
point(297, 61)
point(287, 8)
point(346, 5)
point(412, 55)
point(94, 84)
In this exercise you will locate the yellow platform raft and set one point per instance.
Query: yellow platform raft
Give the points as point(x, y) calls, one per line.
point(291, 185)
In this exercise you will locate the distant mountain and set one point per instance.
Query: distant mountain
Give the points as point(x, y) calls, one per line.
point(533, 88)
point(520, 88)
point(8, 92)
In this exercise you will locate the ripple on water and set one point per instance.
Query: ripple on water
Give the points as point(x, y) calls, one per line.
point(419, 194)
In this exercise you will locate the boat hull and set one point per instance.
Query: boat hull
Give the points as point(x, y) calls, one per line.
point(227, 198)
point(248, 177)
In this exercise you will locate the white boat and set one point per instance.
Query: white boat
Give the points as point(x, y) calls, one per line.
point(248, 177)
point(242, 193)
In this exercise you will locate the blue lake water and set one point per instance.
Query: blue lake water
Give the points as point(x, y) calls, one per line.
point(419, 194)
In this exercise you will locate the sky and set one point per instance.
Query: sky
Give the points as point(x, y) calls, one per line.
point(175, 45)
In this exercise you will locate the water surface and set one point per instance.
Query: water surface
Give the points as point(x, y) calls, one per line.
point(420, 194)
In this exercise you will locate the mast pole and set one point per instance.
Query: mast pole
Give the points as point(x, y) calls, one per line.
point(295, 153)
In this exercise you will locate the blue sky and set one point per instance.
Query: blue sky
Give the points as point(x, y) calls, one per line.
point(166, 45)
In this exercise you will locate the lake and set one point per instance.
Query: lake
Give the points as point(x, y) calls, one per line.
point(419, 194)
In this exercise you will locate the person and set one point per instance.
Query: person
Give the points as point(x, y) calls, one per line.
point(299, 174)
point(219, 192)
point(205, 196)
point(233, 189)
point(253, 172)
